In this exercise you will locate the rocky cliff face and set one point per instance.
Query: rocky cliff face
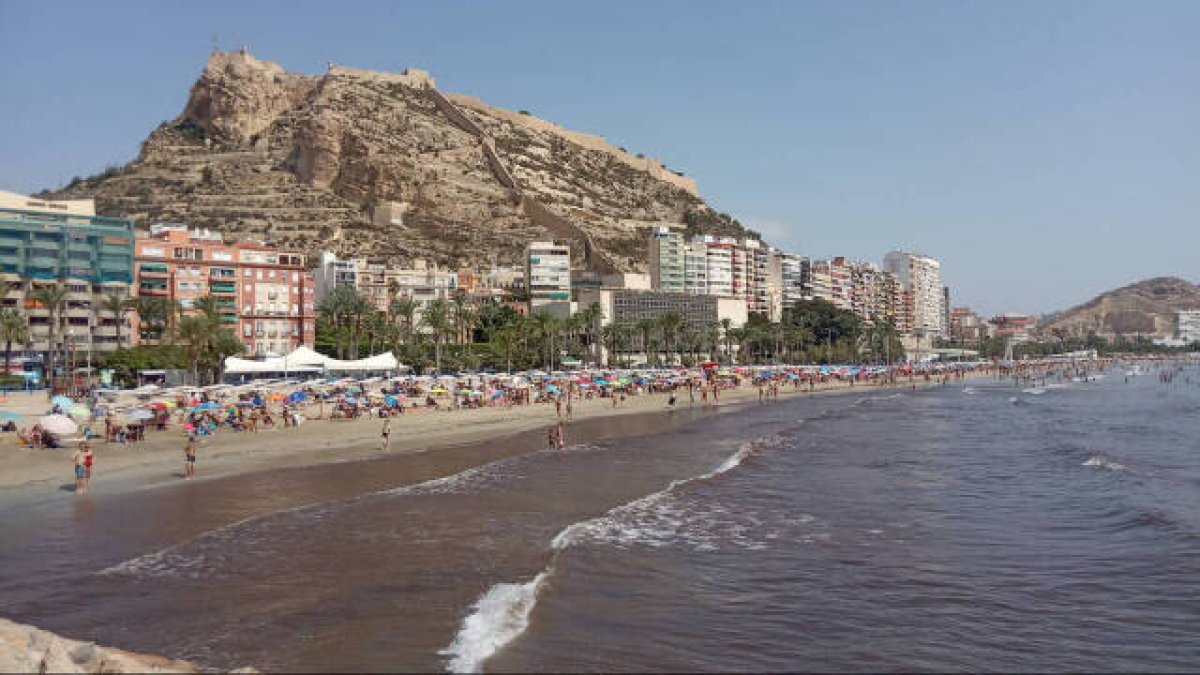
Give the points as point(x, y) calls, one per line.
point(1146, 308)
point(372, 163)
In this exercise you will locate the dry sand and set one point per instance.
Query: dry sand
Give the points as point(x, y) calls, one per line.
point(159, 459)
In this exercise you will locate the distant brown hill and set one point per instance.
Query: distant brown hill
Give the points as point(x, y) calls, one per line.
point(1143, 308)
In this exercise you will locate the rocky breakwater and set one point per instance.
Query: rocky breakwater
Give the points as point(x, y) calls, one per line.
point(26, 649)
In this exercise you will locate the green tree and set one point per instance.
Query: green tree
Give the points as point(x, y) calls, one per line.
point(13, 328)
point(52, 298)
point(118, 304)
point(670, 323)
point(436, 318)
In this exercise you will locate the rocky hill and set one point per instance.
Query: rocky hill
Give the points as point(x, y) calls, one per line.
point(384, 165)
point(1146, 308)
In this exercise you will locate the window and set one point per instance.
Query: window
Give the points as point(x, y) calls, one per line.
point(260, 275)
point(247, 273)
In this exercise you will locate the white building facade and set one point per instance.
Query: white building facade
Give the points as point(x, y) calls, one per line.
point(920, 275)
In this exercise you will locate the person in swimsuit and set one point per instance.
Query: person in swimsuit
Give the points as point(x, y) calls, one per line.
point(387, 430)
point(80, 470)
point(89, 459)
point(189, 456)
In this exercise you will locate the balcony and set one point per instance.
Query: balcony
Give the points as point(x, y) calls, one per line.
point(153, 291)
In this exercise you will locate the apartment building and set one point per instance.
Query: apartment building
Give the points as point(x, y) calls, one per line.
point(265, 295)
point(667, 260)
point(547, 274)
point(43, 243)
point(920, 275)
point(379, 283)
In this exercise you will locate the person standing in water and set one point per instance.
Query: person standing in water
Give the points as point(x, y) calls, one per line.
point(80, 469)
point(89, 459)
point(189, 458)
point(387, 431)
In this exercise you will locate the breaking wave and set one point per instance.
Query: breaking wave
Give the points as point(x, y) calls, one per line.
point(502, 613)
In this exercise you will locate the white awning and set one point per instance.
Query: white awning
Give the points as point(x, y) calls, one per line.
point(305, 360)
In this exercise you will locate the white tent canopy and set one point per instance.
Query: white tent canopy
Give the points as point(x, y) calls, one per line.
point(305, 360)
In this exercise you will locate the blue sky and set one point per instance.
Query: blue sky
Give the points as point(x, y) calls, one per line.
point(1044, 151)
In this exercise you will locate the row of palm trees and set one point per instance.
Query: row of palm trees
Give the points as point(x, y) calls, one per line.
point(206, 339)
point(473, 334)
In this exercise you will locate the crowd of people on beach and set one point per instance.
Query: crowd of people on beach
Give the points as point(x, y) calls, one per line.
point(201, 413)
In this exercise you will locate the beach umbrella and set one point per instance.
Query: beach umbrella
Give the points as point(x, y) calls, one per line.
point(63, 402)
point(159, 405)
point(79, 413)
point(298, 396)
point(140, 414)
point(10, 416)
point(350, 400)
point(58, 424)
point(390, 400)
point(208, 405)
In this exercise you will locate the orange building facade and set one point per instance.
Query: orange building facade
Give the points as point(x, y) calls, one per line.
point(265, 295)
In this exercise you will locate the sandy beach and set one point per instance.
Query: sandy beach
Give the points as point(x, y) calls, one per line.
point(159, 459)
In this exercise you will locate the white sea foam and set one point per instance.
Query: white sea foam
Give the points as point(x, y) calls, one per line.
point(497, 618)
point(1036, 391)
point(502, 613)
point(1102, 462)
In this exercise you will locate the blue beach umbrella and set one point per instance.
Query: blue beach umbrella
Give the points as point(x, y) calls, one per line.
point(390, 400)
point(298, 396)
point(10, 416)
point(63, 402)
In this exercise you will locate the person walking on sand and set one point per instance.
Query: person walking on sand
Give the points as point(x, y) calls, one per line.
point(387, 430)
point(569, 408)
point(189, 458)
point(560, 436)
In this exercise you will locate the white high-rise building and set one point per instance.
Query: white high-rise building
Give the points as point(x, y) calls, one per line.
point(718, 259)
point(547, 273)
point(695, 268)
point(921, 276)
point(1187, 325)
point(667, 260)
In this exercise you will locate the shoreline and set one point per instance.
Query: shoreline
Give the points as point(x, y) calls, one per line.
point(158, 461)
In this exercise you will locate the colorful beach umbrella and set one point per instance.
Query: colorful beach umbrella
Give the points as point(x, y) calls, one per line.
point(79, 413)
point(58, 424)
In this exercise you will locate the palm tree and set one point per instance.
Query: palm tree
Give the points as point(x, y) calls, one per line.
point(12, 329)
point(670, 322)
point(158, 314)
point(547, 327)
point(196, 332)
point(405, 310)
point(436, 318)
point(504, 340)
point(52, 298)
point(726, 328)
point(610, 336)
point(645, 328)
point(589, 320)
point(117, 304)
